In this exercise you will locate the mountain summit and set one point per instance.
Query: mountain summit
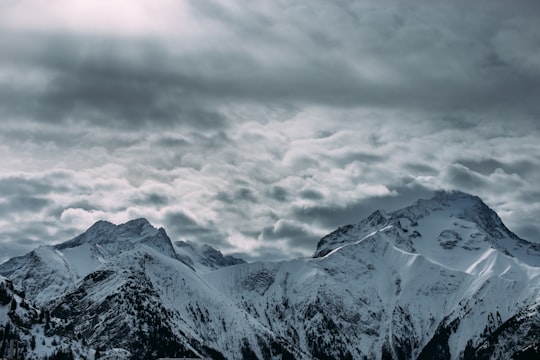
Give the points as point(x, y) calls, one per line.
point(443, 278)
point(61, 266)
point(454, 221)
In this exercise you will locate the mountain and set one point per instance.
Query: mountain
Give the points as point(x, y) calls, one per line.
point(441, 279)
point(203, 258)
point(123, 291)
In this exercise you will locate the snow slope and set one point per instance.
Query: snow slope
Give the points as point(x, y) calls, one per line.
point(391, 284)
point(440, 279)
point(124, 287)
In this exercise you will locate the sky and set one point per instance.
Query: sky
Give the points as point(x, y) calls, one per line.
point(257, 126)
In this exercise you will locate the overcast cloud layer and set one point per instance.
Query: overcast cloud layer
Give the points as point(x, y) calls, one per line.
point(259, 126)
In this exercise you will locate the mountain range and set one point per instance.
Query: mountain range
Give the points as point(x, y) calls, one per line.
point(443, 278)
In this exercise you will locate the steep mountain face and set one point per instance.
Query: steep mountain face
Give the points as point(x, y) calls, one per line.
point(154, 305)
point(446, 217)
point(443, 278)
point(49, 271)
point(440, 279)
point(27, 332)
point(123, 291)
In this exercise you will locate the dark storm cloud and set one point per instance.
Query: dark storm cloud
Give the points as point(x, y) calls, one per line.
point(29, 236)
point(311, 194)
point(279, 193)
point(24, 204)
point(256, 126)
point(30, 195)
point(16, 246)
point(170, 142)
point(107, 82)
point(25, 186)
point(245, 194)
point(294, 234)
point(241, 194)
point(462, 177)
point(347, 158)
point(182, 227)
point(332, 216)
point(83, 204)
point(528, 232)
point(329, 216)
point(402, 61)
point(57, 210)
point(152, 199)
point(419, 168)
point(489, 165)
point(532, 196)
point(41, 136)
point(418, 54)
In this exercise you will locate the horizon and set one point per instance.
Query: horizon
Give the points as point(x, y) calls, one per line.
point(259, 127)
point(438, 194)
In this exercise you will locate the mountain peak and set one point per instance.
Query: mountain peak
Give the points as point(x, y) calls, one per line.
point(137, 222)
point(450, 219)
point(449, 198)
point(463, 206)
point(104, 224)
point(454, 195)
point(106, 233)
point(442, 277)
point(101, 224)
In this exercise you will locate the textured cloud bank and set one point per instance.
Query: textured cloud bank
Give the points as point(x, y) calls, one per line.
point(259, 126)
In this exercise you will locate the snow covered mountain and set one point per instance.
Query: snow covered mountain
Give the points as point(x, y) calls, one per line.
point(48, 271)
point(122, 290)
point(203, 258)
point(441, 279)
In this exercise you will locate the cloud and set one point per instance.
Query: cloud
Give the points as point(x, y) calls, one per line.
point(333, 215)
point(34, 185)
point(384, 56)
point(311, 194)
point(258, 126)
point(279, 193)
point(489, 165)
point(183, 227)
point(462, 177)
point(293, 234)
point(25, 204)
point(152, 199)
point(121, 84)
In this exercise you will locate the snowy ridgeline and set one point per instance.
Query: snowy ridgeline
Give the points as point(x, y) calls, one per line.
point(440, 279)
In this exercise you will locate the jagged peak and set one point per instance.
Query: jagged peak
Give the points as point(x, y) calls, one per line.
point(107, 225)
point(378, 217)
point(461, 204)
point(136, 225)
point(106, 232)
point(446, 198)
point(454, 195)
point(137, 222)
point(100, 224)
point(450, 203)
point(464, 206)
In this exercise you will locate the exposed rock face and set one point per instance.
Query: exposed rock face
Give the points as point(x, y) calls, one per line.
point(440, 279)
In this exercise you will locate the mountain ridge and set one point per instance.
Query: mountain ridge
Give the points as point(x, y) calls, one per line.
point(469, 208)
point(443, 278)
